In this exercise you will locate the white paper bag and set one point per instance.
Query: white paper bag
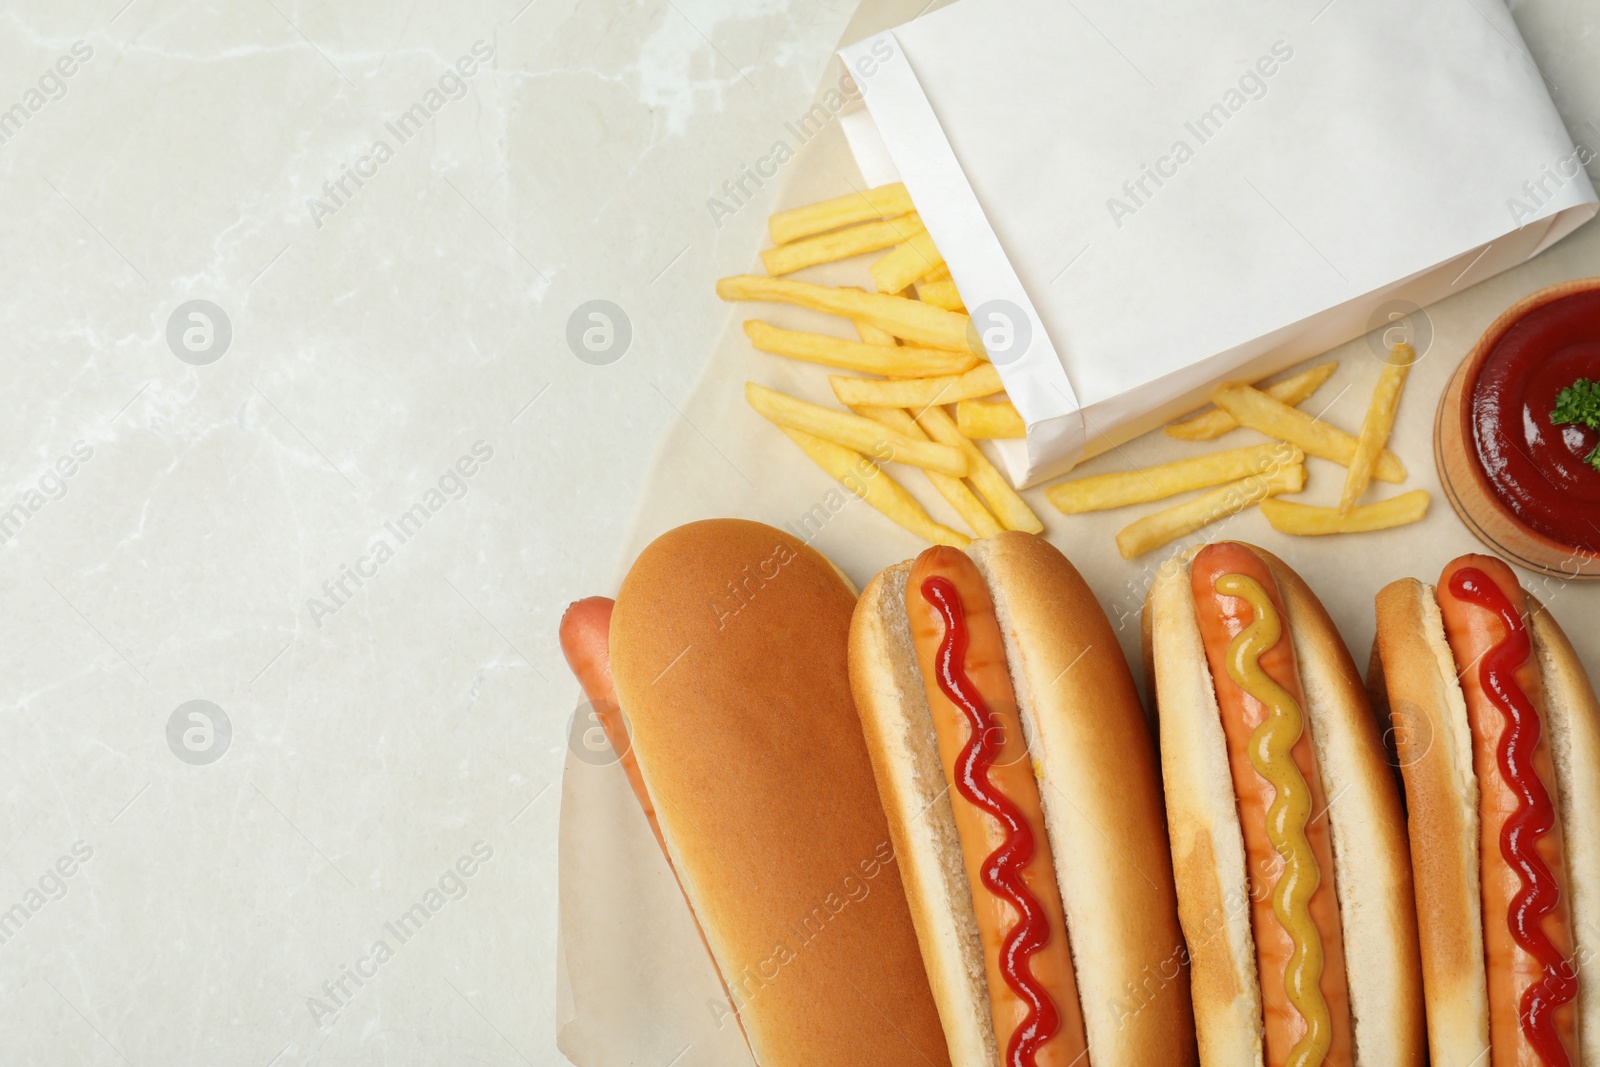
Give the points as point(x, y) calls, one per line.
point(1139, 200)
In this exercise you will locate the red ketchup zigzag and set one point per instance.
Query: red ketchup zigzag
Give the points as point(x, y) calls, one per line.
point(1534, 818)
point(1002, 870)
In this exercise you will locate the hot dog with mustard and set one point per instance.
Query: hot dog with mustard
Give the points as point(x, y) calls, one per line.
point(1288, 841)
point(1497, 734)
point(1019, 776)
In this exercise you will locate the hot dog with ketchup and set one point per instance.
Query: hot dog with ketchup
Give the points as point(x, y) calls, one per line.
point(1288, 841)
point(1019, 776)
point(1497, 734)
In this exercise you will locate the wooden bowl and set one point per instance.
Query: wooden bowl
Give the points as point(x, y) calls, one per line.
point(1461, 473)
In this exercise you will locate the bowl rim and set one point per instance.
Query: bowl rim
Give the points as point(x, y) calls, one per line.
point(1468, 374)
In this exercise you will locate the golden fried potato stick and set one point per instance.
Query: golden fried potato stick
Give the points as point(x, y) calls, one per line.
point(1307, 521)
point(1260, 412)
point(989, 420)
point(853, 431)
point(890, 360)
point(884, 202)
point(1378, 424)
point(941, 294)
point(874, 335)
point(1101, 492)
point(865, 480)
point(982, 380)
point(911, 320)
point(1293, 391)
point(841, 244)
point(957, 492)
point(1180, 520)
point(1007, 506)
point(907, 263)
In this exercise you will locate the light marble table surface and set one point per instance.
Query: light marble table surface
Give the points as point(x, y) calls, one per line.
point(343, 499)
point(378, 387)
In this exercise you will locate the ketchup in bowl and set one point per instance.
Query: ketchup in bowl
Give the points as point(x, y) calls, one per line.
point(1539, 470)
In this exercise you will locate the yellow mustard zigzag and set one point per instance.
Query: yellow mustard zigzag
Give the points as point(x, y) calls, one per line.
point(1271, 754)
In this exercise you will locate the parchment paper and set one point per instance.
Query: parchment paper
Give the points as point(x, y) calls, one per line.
point(636, 985)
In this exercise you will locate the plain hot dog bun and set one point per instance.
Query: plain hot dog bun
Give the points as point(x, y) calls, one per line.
point(1095, 763)
point(1414, 680)
point(728, 650)
point(1371, 875)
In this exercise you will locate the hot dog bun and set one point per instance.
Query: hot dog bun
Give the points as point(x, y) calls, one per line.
point(1096, 766)
point(728, 650)
point(1372, 874)
point(1414, 681)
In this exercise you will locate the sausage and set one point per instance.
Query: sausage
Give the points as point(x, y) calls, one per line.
point(1294, 906)
point(999, 817)
point(1527, 929)
point(586, 642)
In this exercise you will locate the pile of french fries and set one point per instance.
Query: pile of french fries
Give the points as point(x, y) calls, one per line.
point(914, 362)
point(1260, 474)
point(921, 391)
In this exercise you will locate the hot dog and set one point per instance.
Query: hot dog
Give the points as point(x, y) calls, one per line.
point(1294, 885)
point(1497, 732)
point(1019, 776)
point(727, 647)
point(585, 634)
point(1299, 944)
point(1000, 819)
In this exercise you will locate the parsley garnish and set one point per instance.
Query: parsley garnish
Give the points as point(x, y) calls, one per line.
point(1580, 403)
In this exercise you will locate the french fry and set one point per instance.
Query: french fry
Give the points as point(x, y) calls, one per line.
point(865, 480)
point(1377, 425)
point(1012, 511)
point(941, 294)
point(875, 335)
point(986, 420)
point(906, 264)
point(854, 432)
point(982, 380)
point(1180, 520)
point(1305, 520)
point(890, 360)
point(1293, 391)
point(1260, 412)
point(911, 320)
point(841, 244)
point(959, 495)
point(884, 202)
point(1101, 492)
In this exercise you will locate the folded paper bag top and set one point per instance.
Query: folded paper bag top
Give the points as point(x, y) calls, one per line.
point(1139, 200)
